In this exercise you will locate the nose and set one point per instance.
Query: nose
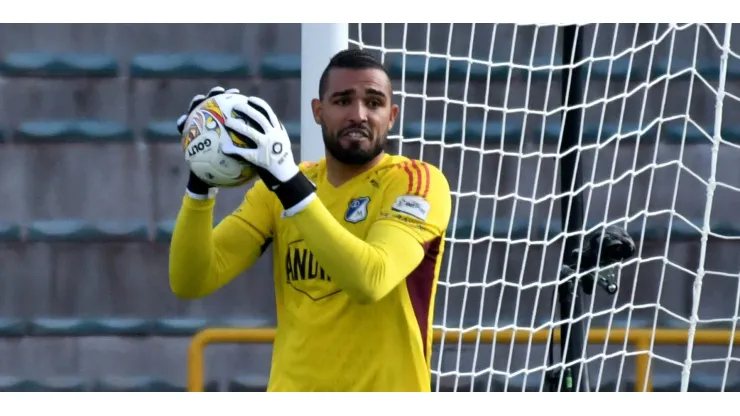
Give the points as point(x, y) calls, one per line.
point(358, 112)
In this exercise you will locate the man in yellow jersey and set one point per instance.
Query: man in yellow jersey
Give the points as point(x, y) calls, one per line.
point(357, 238)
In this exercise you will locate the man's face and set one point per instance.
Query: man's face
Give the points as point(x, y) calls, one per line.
point(355, 114)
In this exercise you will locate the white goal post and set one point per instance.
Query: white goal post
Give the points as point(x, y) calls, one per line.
point(658, 148)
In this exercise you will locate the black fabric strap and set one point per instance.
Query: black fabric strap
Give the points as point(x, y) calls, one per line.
point(295, 190)
point(197, 186)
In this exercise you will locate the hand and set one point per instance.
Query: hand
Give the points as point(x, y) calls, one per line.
point(195, 187)
point(272, 152)
point(198, 99)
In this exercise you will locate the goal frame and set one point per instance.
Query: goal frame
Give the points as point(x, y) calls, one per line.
point(325, 41)
point(641, 339)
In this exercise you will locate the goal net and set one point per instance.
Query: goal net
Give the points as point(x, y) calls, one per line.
point(657, 147)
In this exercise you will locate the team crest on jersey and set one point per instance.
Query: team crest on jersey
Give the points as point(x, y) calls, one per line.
point(357, 210)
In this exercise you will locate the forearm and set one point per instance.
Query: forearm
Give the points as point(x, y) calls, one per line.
point(366, 270)
point(200, 256)
point(192, 251)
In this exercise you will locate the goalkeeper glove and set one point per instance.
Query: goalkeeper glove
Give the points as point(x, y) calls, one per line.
point(196, 187)
point(271, 153)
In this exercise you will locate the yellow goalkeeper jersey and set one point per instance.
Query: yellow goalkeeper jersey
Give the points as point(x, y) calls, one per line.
point(355, 273)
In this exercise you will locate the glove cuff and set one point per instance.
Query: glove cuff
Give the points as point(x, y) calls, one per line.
point(197, 189)
point(295, 190)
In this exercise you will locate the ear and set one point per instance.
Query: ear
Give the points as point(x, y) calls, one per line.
point(393, 115)
point(316, 109)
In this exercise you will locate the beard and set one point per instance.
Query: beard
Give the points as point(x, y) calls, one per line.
point(355, 153)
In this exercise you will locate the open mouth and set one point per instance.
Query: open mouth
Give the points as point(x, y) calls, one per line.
point(355, 134)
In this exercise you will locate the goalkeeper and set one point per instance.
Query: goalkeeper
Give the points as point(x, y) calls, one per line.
point(357, 238)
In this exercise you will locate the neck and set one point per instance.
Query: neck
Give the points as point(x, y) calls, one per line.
point(338, 173)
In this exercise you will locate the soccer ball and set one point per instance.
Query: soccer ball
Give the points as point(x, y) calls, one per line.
point(203, 136)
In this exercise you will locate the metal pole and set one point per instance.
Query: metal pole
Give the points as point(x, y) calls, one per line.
point(319, 42)
point(572, 342)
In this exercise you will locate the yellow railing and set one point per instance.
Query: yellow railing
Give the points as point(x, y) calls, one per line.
point(640, 338)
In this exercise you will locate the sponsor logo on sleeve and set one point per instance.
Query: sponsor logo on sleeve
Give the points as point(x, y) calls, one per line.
point(412, 205)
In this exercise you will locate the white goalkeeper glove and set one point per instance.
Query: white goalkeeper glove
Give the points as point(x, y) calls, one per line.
point(196, 187)
point(255, 122)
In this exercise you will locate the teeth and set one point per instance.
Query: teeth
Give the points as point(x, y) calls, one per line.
point(355, 134)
